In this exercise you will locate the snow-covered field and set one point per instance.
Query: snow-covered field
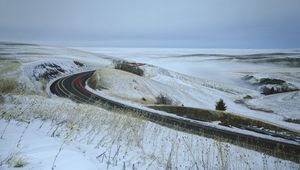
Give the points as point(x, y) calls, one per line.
point(198, 78)
point(43, 132)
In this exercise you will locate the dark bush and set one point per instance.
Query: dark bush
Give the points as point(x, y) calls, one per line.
point(78, 63)
point(129, 67)
point(271, 81)
point(163, 99)
point(247, 97)
point(220, 105)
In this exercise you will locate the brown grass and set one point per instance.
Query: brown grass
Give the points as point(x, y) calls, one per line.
point(226, 118)
point(7, 66)
point(92, 81)
point(8, 85)
point(297, 121)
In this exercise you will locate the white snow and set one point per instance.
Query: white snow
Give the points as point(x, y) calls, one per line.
point(211, 124)
point(37, 129)
point(206, 77)
point(190, 91)
point(96, 139)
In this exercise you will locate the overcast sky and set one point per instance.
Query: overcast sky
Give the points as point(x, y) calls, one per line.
point(154, 23)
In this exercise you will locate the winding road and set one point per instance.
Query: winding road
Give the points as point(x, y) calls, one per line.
point(73, 86)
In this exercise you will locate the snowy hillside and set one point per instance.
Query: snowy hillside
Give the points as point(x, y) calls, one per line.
point(203, 93)
point(38, 131)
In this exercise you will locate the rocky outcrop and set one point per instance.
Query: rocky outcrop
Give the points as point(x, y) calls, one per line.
point(269, 89)
point(268, 86)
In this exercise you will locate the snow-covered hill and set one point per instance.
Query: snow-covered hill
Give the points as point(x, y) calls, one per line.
point(38, 131)
point(198, 92)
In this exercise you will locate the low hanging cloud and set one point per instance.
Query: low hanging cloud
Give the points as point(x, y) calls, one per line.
point(190, 23)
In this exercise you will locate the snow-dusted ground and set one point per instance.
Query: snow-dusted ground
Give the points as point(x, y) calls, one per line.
point(42, 132)
point(198, 78)
point(203, 63)
point(93, 138)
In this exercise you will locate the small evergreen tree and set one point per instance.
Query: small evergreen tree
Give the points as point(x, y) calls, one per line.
point(220, 105)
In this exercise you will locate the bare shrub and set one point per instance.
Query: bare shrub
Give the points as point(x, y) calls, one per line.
point(129, 67)
point(15, 160)
point(8, 85)
point(78, 63)
point(163, 99)
point(20, 163)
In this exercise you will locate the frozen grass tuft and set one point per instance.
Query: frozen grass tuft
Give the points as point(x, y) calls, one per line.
point(93, 82)
point(8, 85)
point(15, 160)
point(122, 140)
point(20, 163)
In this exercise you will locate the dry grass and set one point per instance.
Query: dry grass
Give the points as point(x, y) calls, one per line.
point(92, 81)
point(2, 98)
point(8, 66)
point(19, 163)
point(8, 86)
point(116, 134)
point(9, 71)
point(12, 80)
point(15, 160)
point(95, 82)
point(118, 124)
point(297, 121)
point(226, 118)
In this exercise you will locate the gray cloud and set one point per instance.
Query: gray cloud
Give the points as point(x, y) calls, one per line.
point(188, 23)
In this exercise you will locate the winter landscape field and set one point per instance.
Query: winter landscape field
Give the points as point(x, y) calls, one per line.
point(48, 124)
point(150, 85)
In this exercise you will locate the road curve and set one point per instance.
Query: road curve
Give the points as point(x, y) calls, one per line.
point(73, 87)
